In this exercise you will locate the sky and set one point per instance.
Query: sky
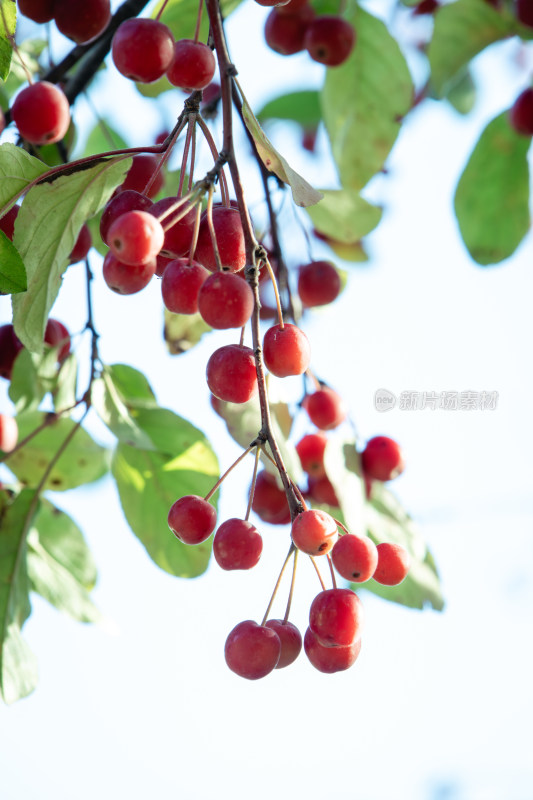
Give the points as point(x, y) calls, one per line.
point(438, 706)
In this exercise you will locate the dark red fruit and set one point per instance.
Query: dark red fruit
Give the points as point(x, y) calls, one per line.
point(311, 449)
point(524, 12)
point(41, 113)
point(193, 65)
point(57, 335)
point(7, 222)
point(270, 502)
point(330, 659)
point(225, 301)
point(192, 519)
point(329, 40)
point(237, 545)
point(355, 557)
point(125, 279)
point(521, 113)
point(231, 373)
point(285, 33)
point(9, 433)
point(229, 237)
point(142, 49)
point(319, 283)
point(82, 20)
point(290, 638)
point(142, 168)
point(178, 233)
point(382, 459)
point(128, 200)
point(314, 532)
point(336, 617)
point(38, 10)
point(326, 408)
point(426, 7)
point(321, 490)
point(286, 350)
point(181, 284)
point(10, 347)
point(82, 246)
point(393, 564)
point(162, 263)
point(252, 650)
point(135, 238)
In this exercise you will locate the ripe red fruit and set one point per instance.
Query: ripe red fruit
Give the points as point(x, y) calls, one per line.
point(135, 238)
point(82, 246)
point(128, 200)
point(285, 33)
point(237, 545)
point(321, 490)
point(329, 40)
point(521, 113)
point(319, 283)
point(38, 10)
point(336, 617)
point(41, 113)
point(229, 237)
point(330, 659)
point(162, 263)
point(355, 557)
point(180, 285)
point(178, 237)
point(524, 12)
point(286, 350)
point(326, 408)
point(426, 7)
point(9, 433)
point(57, 335)
point(231, 373)
point(142, 49)
point(382, 459)
point(311, 451)
point(7, 222)
point(314, 532)
point(270, 502)
point(82, 21)
point(393, 564)
point(225, 301)
point(192, 519)
point(252, 650)
point(125, 279)
point(142, 168)
point(10, 347)
point(290, 638)
point(193, 65)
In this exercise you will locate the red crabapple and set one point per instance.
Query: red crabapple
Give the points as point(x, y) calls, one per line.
point(524, 12)
point(125, 279)
point(321, 490)
point(9, 433)
point(82, 21)
point(290, 638)
point(128, 200)
point(521, 113)
point(41, 113)
point(57, 335)
point(178, 234)
point(314, 532)
point(270, 502)
point(192, 519)
point(311, 449)
point(229, 237)
point(38, 10)
point(330, 659)
point(180, 285)
point(237, 545)
point(142, 49)
point(393, 564)
point(329, 40)
point(225, 301)
point(142, 168)
point(10, 347)
point(285, 33)
point(135, 238)
point(325, 407)
point(355, 557)
point(319, 283)
point(252, 650)
point(286, 350)
point(231, 373)
point(382, 459)
point(82, 245)
point(193, 65)
point(7, 222)
point(336, 617)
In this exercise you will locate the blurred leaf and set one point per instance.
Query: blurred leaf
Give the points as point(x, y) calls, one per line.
point(83, 461)
point(66, 384)
point(462, 94)
point(302, 192)
point(156, 88)
point(279, 406)
point(48, 225)
point(133, 386)
point(343, 469)
point(103, 137)
point(33, 376)
point(18, 671)
point(364, 101)
point(63, 540)
point(12, 272)
point(183, 331)
point(492, 196)
point(8, 22)
point(17, 170)
point(344, 216)
point(54, 154)
point(301, 107)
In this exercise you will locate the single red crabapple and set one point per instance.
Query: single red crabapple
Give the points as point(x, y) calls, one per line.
point(330, 659)
point(393, 564)
point(321, 490)
point(38, 10)
point(193, 65)
point(290, 638)
point(7, 222)
point(382, 459)
point(311, 449)
point(142, 168)
point(229, 237)
point(270, 502)
point(128, 200)
point(336, 617)
point(178, 234)
point(252, 650)
point(125, 279)
point(231, 373)
point(192, 519)
point(524, 12)
point(142, 49)
point(285, 33)
point(314, 532)
point(329, 40)
point(355, 557)
point(521, 113)
point(57, 335)
point(426, 7)
point(180, 285)
point(10, 347)
point(135, 238)
point(9, 433)
point(319, 283)
point(41, 113)
point(225, 301)
point(286, 350)
point(82, 246)
point(309, 139)
point(325, 407)
point(237, 545)
point(82, 21)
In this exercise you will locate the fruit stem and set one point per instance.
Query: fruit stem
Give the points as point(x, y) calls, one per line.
point(190, 127)
point(252, 487)
point(276, 293)
point(291, 590)
point(227, 472)
point(198, 20)
point(214, 152)
point(343, 527)
point(194, 240)
point(318, 573)
point(212, 234)
point(330, 563)
point(159, 13)
point(292, 548)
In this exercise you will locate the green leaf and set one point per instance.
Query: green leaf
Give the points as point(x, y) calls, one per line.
point(18, 672)
point(115, 409)
point(149, 482)
point(180, 16)
point(301, 107)
point(47, 227)
point(102, 138)
point(17, 170)
point(364, 101)
point(183, 331)
point(29, 51)
point(12, 272)
point(60, 566)
point(302, 192)
point(8, 22)
point(132, 385)
point(343, 468)
point(344, 216)
point(492, 196)
point(462, 30)
point(83, 461)
point(32, 377)
point(66, 384)
point(462, 94)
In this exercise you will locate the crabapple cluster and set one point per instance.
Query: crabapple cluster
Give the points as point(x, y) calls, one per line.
point(79, 20)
